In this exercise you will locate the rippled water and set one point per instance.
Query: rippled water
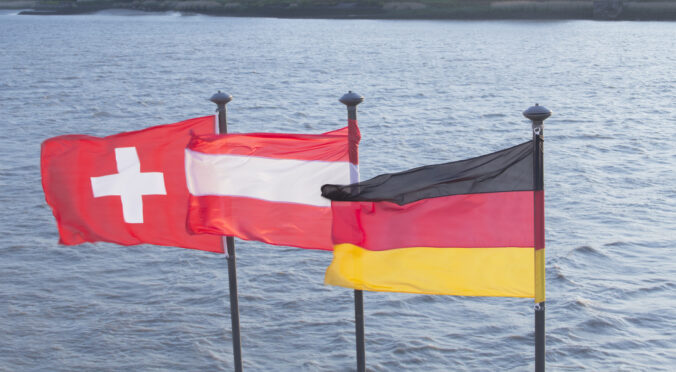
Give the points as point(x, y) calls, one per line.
point(435, 91)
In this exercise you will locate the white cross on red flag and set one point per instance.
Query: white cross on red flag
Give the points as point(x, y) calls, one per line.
point(127, 188)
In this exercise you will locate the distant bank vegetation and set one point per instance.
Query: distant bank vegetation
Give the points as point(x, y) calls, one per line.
point(375, 9)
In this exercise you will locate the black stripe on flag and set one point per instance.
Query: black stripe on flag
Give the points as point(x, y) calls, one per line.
point(505, 170)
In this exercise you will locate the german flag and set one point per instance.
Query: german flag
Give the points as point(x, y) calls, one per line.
point(464, 228)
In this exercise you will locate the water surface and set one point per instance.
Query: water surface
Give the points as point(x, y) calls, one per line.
point(434, 92)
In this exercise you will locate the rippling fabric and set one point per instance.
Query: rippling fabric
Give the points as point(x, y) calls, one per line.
point(462, 228)
point(266, 186)
point(128, 188)
point(506, 170)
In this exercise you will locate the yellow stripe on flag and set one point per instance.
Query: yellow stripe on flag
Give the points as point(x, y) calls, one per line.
point(504, 272)
point(539, 275)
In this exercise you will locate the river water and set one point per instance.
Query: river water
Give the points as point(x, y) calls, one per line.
point(434, 91)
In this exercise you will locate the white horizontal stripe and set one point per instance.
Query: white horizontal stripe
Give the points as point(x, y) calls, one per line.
point(282, 180)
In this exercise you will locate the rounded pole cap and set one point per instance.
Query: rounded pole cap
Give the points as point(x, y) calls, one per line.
point(221, 98)
point(351, 99)
point(537, 113)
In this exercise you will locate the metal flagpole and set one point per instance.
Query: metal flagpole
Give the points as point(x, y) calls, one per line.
point(537, 114)
point(351, 100)
point(221, 99)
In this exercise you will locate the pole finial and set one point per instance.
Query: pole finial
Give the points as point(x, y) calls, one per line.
point(537, 113)
point(221, 98)
point(351, 99)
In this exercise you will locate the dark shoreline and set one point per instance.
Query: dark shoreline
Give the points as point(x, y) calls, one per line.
point(505, 10)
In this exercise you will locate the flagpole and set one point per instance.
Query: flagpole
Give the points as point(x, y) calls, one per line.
point(537, 114)
point(351, 100)
point(221, 99)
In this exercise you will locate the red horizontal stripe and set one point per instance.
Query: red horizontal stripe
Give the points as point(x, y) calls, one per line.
point(332, 146)
point(464, 221)
point(338, 132)
point(296, 225)
point(539, 211)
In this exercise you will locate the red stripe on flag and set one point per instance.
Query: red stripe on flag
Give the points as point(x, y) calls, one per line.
point(330, 146)
point(539, 211)
point(463, 221)
point(288, 224)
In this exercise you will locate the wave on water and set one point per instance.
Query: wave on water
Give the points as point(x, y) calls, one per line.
point(106, 12)
point(559, 275)
point(588, 250)
point(132, 12)
point(666, 288)
point(602, 323)
point(13, 12)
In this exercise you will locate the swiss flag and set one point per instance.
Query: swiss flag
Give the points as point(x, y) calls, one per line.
point(127, 188)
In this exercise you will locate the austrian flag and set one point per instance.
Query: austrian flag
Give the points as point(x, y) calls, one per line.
point(266, 186)
point(127, 188)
